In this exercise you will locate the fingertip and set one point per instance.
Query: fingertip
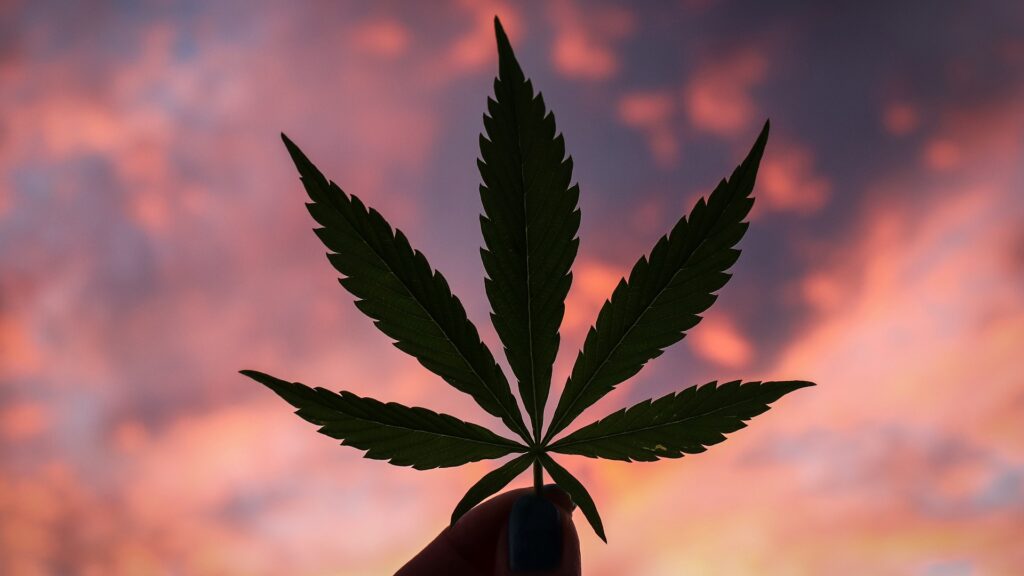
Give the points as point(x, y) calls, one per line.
point(559, 497)
point(571, 561)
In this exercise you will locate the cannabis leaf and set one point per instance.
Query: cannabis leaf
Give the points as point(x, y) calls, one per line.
point(529, 227)
point(403, 436)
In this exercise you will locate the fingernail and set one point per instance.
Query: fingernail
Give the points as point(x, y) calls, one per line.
point(534, 535)
point(556, 493)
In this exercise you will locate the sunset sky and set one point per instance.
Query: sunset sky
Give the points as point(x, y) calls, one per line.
point(154, 241)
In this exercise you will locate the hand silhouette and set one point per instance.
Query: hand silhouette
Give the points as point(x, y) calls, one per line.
point(513, 533)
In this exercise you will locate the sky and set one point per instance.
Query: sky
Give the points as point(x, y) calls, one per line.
point(154, 241)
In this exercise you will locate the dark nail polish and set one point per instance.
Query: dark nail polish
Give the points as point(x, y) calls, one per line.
point(534, 535)
point(556, 491)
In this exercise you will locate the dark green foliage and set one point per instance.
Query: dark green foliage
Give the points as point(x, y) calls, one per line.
point(529, 226)
point(491, 483)
point(664, 294)
point(410, 302)
point(579, 494)
point(680, 423)
point(401, 435)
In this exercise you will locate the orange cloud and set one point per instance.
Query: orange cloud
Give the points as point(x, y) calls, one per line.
point(20, 353)
point(717, 96)
point(23, 421)
point(592, 283)
point(719, 340)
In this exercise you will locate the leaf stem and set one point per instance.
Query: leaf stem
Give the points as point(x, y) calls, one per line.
point(538, 478)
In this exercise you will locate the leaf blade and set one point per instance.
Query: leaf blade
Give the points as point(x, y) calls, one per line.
point(665, 294)
point(685, 422)
point(579, 494)
point(529, 226)
point(491, 483)
point(408, 301)
point(403, 436)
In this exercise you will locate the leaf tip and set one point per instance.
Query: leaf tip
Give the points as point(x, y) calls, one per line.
point(499, 30)
point(288, 142)
point(504, 46)
point(298, 157)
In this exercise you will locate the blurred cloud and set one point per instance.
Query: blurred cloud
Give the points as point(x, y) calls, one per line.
point(900, 118)
point(386, 38)
point(719, 340)
point(789, 181)
point(652, 113)
point(586, 38)
point(718, 95)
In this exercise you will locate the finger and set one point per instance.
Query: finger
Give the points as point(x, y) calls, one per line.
point(474, 535)
point(468, 546)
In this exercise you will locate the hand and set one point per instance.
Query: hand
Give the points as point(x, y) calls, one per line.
point(478, 544)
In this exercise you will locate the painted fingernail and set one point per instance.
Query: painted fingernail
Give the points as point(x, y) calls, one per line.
point(534, 535)
point(559, 496)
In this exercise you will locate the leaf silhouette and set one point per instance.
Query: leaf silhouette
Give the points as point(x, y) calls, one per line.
point(403, 436)
point(529, 227)
point(680, 423)
point(491, 483)
point(664, 293)
point(579, 494)
point(396, 286)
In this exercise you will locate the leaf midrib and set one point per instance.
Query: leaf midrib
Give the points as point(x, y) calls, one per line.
point(509, 444)
point(536, 418)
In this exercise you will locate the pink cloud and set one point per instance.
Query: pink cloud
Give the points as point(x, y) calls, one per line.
point(23, 421)
point(20, 353)
point(915, 316)
point(474, 49)
point(941, 154)
point(718, 96)
point(585, 39)
point(719, 340)
point(593, 282)
point(787, 180)
point(900, 118)
point(384, 38)
point(652, 113)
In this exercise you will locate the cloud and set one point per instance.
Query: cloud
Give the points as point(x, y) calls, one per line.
point(718, 96)
point(941, 155)
point(23, 421)
point(652, 113)
point(593, 282)
point(585, 40)
point(20, 353)
point(474, 48)
point(385, 38)
point(718, 339)
point(900, 118)
point(788, 182)
point(154, 241)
